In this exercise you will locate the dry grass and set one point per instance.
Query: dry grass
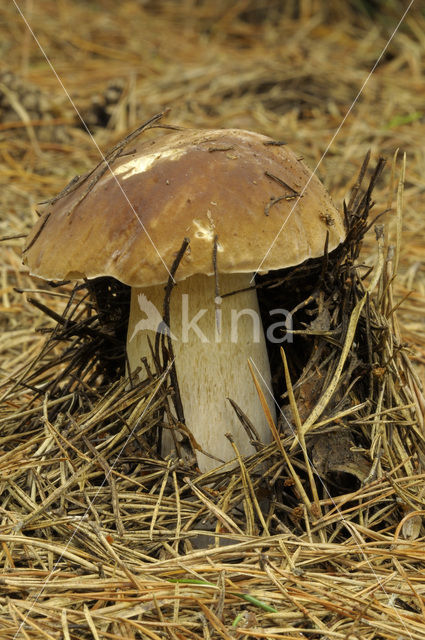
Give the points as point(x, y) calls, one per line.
point(99, 537)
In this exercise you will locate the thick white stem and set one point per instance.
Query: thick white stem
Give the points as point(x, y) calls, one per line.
point(213, 341)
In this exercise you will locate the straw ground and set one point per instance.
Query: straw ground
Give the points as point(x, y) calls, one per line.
point(316, 536)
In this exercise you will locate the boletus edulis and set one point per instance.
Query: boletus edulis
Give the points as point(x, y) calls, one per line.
point(247, 205)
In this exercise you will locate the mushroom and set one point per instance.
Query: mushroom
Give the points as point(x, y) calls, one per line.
point(247, 205)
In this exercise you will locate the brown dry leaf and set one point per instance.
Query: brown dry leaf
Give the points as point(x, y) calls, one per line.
point(335, 452)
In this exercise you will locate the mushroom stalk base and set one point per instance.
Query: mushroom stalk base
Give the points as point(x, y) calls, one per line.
point(212, 341)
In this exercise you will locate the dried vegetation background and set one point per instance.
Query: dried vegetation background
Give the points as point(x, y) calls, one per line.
point(101, 539)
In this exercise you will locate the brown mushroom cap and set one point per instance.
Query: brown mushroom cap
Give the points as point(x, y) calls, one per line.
point(231, 184)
